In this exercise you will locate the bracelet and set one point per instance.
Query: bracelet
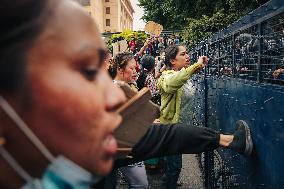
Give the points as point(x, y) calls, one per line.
point(197, 67)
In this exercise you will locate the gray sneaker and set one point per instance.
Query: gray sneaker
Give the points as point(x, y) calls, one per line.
point(242, 142)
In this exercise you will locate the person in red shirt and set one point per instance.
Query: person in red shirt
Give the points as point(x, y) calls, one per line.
point(132, 45)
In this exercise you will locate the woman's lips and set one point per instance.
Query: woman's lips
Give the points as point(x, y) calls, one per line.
point(110, 145)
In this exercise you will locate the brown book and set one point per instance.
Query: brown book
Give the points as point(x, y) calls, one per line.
point(138, 114)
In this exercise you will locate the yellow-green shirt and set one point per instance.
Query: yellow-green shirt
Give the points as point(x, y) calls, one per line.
point(170, 86)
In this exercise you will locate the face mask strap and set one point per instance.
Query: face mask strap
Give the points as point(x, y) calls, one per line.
point(25, 129)
point(57, 164)
point(12, 162)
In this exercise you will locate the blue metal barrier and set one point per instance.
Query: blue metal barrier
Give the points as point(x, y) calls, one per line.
point(239, 84)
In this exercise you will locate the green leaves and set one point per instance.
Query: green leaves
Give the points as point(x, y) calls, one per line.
point(199, 29)
point(140, 37)
point(198, 18)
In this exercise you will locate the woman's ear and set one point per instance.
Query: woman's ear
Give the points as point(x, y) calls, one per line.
point(119, 70)
point(173, 62)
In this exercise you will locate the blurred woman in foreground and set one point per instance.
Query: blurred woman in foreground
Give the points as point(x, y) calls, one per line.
point(56, 97)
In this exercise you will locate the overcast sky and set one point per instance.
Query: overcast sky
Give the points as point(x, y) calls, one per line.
point(138, 23)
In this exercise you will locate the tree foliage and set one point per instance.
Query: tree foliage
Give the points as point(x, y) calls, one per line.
point(198, 29)
point(172, 14)
point(128, 34)
point(198, 18)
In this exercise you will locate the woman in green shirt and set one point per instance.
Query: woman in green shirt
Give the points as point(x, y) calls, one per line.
point(175, 88)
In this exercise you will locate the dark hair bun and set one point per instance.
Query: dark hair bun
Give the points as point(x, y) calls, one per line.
point(148, 62)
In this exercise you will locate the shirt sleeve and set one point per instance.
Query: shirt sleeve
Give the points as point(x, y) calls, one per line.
point(170, 83)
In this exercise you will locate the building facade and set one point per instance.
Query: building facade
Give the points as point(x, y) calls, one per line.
point(110, 15)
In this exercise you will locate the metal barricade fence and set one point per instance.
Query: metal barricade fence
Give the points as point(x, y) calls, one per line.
point(239, 84)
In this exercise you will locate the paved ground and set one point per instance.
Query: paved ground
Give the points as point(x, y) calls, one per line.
point(191, 176)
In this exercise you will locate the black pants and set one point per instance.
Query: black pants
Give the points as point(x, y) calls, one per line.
point(163, 140)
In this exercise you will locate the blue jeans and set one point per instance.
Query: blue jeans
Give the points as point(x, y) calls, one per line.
point(173, 169)
point(135, 175)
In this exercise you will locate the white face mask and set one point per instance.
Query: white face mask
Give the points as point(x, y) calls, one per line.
point(61, 172)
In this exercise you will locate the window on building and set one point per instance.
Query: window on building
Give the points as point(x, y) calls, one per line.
point(106, 0)
point(107, 22)
point(108, 10)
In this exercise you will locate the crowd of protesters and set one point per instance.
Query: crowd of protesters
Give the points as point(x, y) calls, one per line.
point(148, 63)
point(163, 66)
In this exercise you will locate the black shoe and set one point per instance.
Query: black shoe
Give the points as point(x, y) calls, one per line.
point(242, 142)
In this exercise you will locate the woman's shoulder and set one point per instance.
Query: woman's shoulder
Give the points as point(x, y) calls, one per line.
point(167, 73)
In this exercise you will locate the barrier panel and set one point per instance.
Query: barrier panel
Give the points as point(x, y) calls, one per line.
point(239, 84)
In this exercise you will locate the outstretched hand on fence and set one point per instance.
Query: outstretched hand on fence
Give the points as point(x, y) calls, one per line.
point(203, 60)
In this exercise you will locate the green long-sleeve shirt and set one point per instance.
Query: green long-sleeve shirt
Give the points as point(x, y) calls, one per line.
point(170, 86)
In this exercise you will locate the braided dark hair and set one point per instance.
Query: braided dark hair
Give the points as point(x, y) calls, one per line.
point(119, 62)
point(170, 54)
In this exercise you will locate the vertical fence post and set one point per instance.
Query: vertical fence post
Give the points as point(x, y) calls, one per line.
point(204, 51)
point(218, 60)
point(233, 56)
point(259, 35)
